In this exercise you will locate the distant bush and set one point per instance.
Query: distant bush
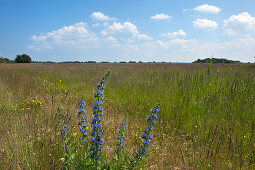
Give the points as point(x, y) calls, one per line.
point(72, 62)
point(90, 62)
point(131, 62)
point(215, 60)
point(5, 60)
point(24, 58)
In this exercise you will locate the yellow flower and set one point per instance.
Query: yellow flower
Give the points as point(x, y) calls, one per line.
point(39, 139)
point(74, 134)
point(22, 109)
point(28, 108)
point(33, 101)
point(60, 81)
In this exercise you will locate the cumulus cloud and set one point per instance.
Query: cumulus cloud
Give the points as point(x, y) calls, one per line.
point(241, 21)
point(96, 25)
point(110, 38)
point(190, 49)
point(160, 17)
point(205, 24)
point(67, 35)
point(208, 9)
point(237, 25)
point(125, 27)
point(180, 33)
point(101, 17)
point(142, 37)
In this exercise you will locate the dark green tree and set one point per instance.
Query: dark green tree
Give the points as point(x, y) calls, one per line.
point(24, 58)
point(4, 60)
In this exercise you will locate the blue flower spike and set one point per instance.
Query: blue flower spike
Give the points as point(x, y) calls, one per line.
point(97, 129)
point(146, 136)
point(121, 137)
point(82, 122)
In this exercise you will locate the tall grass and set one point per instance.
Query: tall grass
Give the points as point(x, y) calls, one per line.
point(206, 118)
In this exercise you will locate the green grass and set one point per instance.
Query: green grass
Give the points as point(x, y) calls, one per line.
point(206, 117)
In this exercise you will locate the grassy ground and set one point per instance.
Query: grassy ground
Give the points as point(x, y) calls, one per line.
point(206, 118)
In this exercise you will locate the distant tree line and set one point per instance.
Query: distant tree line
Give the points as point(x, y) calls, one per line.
point(215, 60)
point(6, 60)
point(24, 58)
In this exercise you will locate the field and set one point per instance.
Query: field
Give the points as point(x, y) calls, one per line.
point(206, 118)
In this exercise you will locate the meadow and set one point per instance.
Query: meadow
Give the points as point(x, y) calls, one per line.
point(206, 118)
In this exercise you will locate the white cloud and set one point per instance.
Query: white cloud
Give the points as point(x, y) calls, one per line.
point(174, 34)
point(189, 50)
point(67, 35)
point(208, 9)
point(237, 25)
point(142, 37)
point(112, 39)
point(205, 24)
point(160, 17)
point(101, 17)
point(125, 27)
point(96, 25)
point(103, 32)
point(185, 10)
point(241, 21)
point(230, 32)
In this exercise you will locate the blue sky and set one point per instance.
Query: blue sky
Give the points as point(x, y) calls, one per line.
point(137, 30)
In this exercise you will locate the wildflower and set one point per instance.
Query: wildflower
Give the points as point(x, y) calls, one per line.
point(82, 128)
point(121, 137)
point(148, 118)
point(147, 136)
point(97, 139)
point(74, 134)
point(151, 136)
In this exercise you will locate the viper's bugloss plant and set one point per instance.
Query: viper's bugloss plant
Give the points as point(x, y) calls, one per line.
point(97, 130)
point(67, 160)
point(82, 123)
point(121, 138)
point(86, 154)
point(146, 137)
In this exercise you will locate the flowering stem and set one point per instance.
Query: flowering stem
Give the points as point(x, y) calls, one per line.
point(82, 123)
point(147, 136)
point(97, 130)
point(121, 139)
